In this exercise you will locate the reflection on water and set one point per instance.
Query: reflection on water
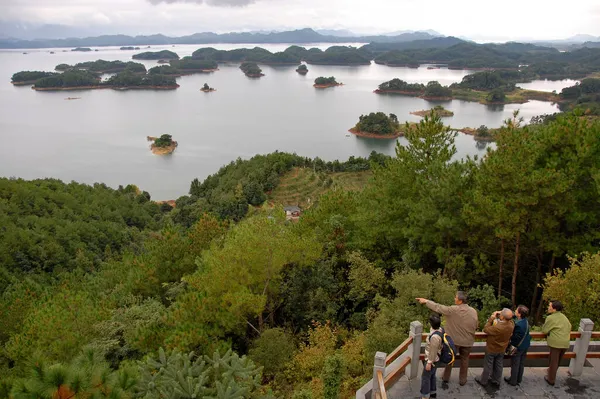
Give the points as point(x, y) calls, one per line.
point(366, 144)
point(495, 107)
point(481, 145)
point(102, 136)
point(548, 85)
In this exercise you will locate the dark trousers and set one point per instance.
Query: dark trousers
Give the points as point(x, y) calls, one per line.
point(428, 381)
point(464, 352)
point(517, 366)
point(556, 355)
point(492, 368)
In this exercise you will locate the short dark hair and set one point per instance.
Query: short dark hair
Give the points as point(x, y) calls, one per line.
point(557, 305)
point(462, 296)
point(523, 310)
point(435, 321)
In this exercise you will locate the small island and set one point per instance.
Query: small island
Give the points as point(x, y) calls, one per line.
point(438, 110)
point(251, 69)
point(129, 48)
point(302, 69)
point(322, 82)
point(482, 133)
point(162, 61)
point(207, 89)
point(377, 125)
point(156, 55)
point(84, 49)
point(162, 145)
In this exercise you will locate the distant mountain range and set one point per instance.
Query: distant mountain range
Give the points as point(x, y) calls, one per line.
point(22, 35)
point(300, 36)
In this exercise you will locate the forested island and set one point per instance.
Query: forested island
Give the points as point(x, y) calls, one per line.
point(129, 48)
point(438, 110)
point(156, 55)
point(302, 69)
point(167, 70)
point(486, 87)
point(102, 66)
point(81, 79)
point(322, 82)
point(83, 49)
point(24, 78)
point(188, 65)
point(162, 145)
point(251, 70)
point(377, 125)
point(96, 281)
point(293, 55)
point(537, 62)
point(207, 89)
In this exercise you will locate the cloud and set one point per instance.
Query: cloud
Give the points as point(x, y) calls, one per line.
point(216, 3)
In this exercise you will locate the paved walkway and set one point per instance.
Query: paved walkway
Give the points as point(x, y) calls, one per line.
point(585, 387)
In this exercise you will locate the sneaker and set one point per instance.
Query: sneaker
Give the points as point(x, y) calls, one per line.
point(548, 381)
point(477, 380)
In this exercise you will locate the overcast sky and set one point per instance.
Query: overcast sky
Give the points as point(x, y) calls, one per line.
point(476, 19)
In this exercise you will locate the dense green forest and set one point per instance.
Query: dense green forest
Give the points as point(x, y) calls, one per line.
point(105, 293)
point(128, 79)
point(378, 123)
point(102, 66)
point(302, 69)
point(29, 76)
point(164, 70)
point(156, 55)
point(402, 86)
point(69, 78)
point(251, 69)
point(323, 81)
point(82, 78)
point(335, 55)
point(584, 95)
point(190, 64)
point(487, 87)
point(544, 62)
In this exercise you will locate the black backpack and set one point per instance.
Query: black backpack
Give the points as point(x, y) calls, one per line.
point(448, 354)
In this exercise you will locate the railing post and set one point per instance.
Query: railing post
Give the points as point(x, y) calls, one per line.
point(586, 326)
point(414, 350)
point(379, 366)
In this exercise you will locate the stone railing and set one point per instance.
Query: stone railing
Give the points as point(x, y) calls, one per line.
point(405, 359)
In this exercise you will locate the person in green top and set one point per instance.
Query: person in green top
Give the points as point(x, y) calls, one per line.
point(558, 330)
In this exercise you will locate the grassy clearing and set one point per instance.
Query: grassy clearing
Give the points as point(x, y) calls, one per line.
point(302, 186)
point(517, 96)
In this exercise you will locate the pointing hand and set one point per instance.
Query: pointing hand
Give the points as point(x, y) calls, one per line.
point(421, 300)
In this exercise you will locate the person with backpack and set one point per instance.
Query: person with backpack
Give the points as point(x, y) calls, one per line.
point(433, 351)
point(519, 345)
point(499, 329)
point(461, 324)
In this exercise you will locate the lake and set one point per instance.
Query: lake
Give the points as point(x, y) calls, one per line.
point(102, 136)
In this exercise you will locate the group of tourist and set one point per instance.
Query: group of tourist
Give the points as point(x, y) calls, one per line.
point(507, 333)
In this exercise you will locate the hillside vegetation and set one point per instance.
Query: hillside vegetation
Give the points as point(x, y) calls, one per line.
point(106, 294)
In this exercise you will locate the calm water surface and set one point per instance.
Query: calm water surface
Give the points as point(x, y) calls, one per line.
point(102, 136)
